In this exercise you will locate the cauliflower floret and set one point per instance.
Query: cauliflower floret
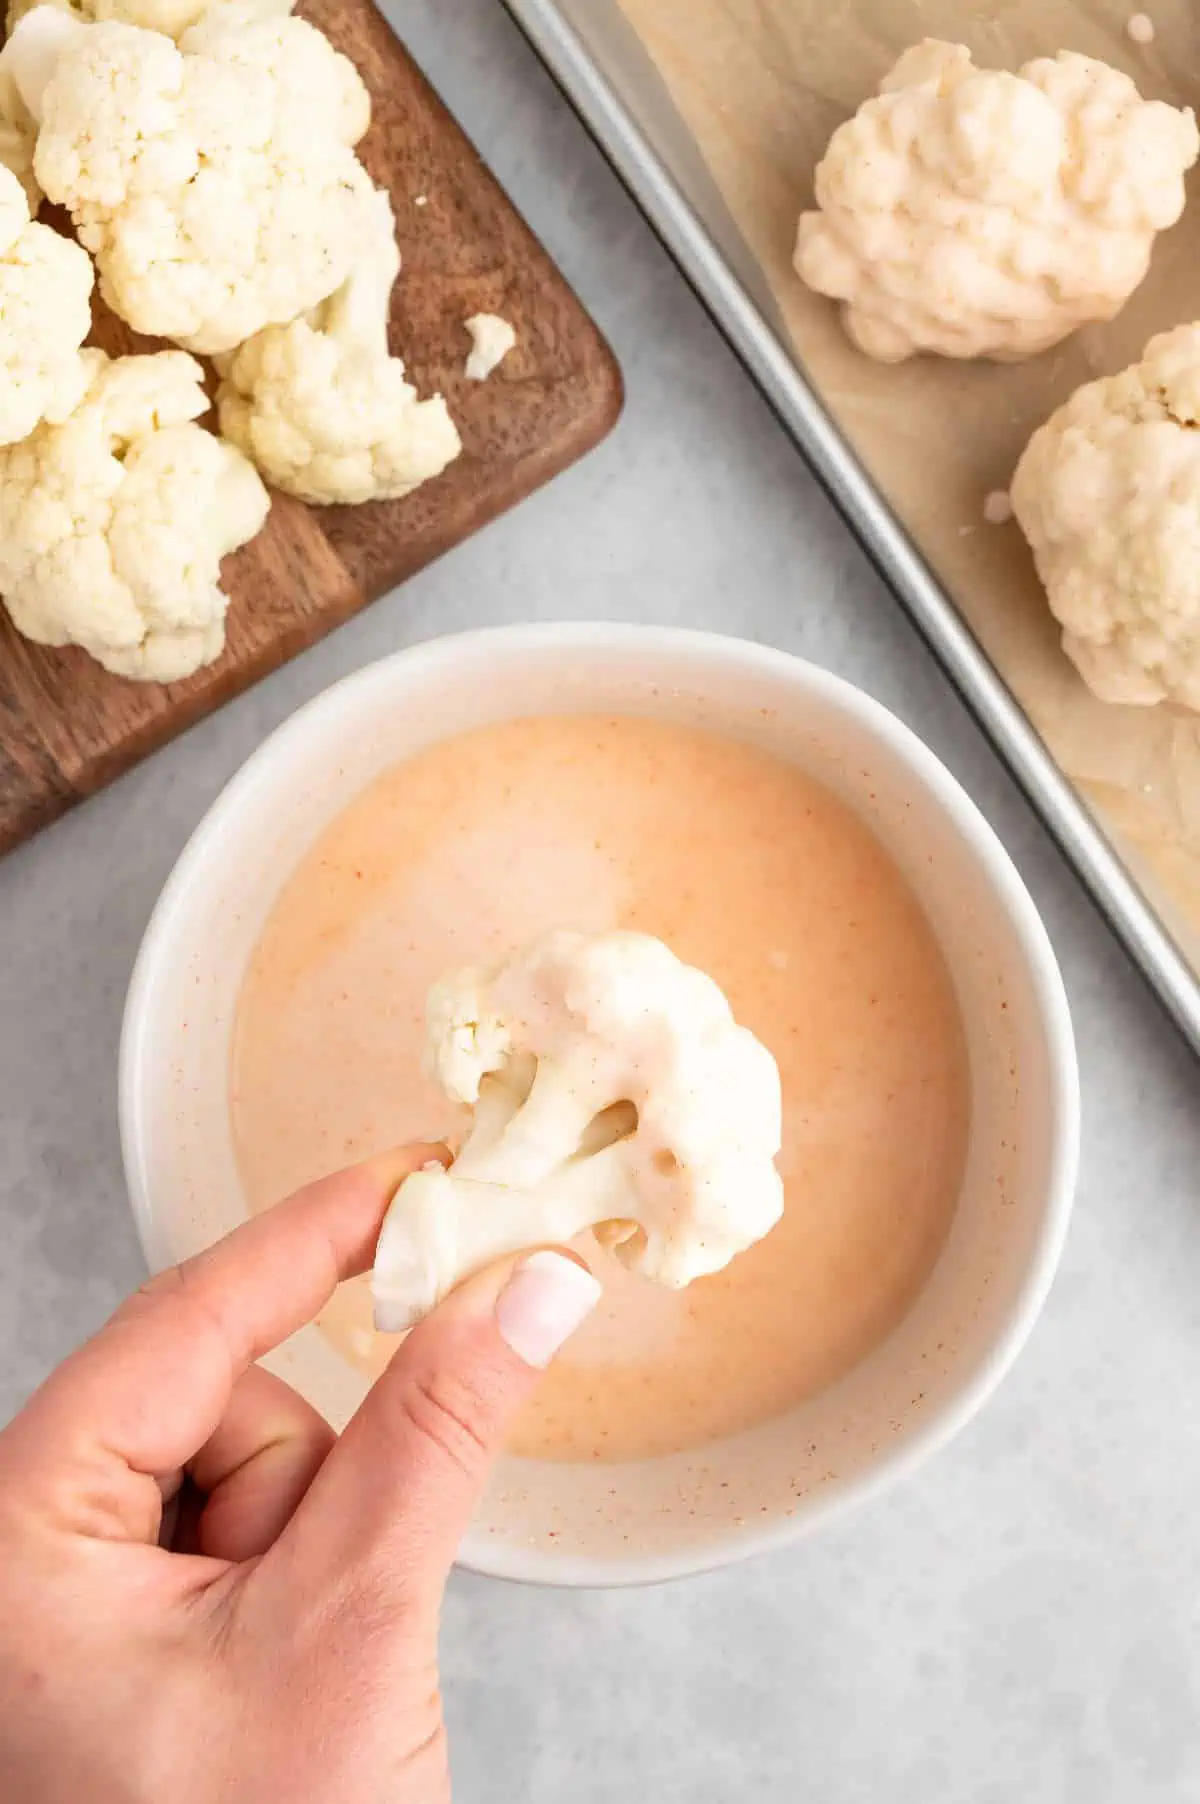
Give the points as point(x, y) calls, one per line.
point(214, 182)
point(1108, 494)
point(172, 17)
point(611, 1089)
point(18, 138)
point(113, 525)
point(45, 315)
point(320, 406)
point(981, 214)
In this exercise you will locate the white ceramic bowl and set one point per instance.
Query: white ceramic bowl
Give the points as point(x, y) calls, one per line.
point(662, 1518)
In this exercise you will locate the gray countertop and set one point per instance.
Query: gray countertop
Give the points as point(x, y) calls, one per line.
point(1018, 1624)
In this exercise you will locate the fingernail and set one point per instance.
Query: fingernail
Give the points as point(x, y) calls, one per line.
point(543, 1303)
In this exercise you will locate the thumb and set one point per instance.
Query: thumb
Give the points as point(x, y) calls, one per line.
point(380, 1526)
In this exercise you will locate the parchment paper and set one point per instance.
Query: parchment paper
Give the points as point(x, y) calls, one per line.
point(760, 85)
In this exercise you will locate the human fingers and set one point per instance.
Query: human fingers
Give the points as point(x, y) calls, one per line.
point(267, 1449)
point(150, 1389)
point(381, 1524)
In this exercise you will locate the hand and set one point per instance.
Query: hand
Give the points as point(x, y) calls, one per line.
point(283, 1648)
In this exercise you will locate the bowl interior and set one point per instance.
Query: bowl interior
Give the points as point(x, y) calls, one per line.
point(584, 1523)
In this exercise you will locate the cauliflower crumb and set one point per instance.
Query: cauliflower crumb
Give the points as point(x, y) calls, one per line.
point(420, 200)
point(975, 213)
point(1107, 493)
point(1141, 29)
point(493, 338)
point(997, 507)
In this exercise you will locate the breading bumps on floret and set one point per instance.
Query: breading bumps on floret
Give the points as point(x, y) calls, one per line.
point(1108, 495)
point(976, 213)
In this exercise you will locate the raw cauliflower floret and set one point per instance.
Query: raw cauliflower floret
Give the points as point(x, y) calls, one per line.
point(610, 1089)
point(18, 138)
point(321, 407)
point(976, 213)
point(1108, 495)
point(114, 523)
point(45, 315)
point(173, 17)
point(213, 182)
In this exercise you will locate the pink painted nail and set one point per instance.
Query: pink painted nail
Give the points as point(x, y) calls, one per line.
point(545, 1300)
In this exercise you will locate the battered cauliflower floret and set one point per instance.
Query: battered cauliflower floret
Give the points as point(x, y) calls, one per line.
point(321, 407)
point(975, 213)
point(610, 1089)
point(213, 182)
point(114, 523)
point(1108, 495)
point(45, 315)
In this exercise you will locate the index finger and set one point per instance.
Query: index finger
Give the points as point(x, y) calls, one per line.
point(153, 1384)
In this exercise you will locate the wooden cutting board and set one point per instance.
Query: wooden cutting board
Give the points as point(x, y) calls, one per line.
point(67, 727)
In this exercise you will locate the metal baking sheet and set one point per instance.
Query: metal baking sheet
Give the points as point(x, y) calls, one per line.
point(605, 72)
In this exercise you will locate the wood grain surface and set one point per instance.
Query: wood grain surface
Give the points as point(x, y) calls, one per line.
point(67, 728)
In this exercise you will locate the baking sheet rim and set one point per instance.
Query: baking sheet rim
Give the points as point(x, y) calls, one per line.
point(772, 366)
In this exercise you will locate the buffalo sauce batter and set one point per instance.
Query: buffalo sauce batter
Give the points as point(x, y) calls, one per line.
point(747, 868)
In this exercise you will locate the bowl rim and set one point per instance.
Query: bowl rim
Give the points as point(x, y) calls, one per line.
point(428, 662)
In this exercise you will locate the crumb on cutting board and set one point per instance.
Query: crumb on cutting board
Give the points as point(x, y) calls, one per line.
point(492, 339)
point(1140, 29)
point(997, 507)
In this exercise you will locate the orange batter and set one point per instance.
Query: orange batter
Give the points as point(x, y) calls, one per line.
point(748, 869)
